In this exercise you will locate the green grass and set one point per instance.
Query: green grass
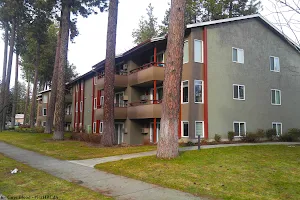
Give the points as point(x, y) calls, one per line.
point(31, 183)
point(247, 172)
point(66, 150)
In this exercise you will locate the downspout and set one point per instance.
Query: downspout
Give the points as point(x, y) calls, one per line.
point(93, 106)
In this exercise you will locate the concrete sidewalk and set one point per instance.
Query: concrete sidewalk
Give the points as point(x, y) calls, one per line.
point(94, 161)
point(108, 184)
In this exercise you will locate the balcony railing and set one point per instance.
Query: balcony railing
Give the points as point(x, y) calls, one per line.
point(145, 102)
point(119, 72)
point(116, 105)
point(147, 65)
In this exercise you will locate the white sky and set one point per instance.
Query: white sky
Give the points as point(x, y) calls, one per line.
point(90, 46)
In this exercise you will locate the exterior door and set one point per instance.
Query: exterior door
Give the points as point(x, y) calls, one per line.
point(119, 99)
point(119, 132)
point(152, 132)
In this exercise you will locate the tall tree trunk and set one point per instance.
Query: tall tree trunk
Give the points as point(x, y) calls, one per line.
point(34, 91)
point(109, 78)
point(8, 75)
point(230, 8)
point(168, 142)
point(26, 103)
point(60, 98)
point(13, 119)
point(3, 73)
point(51, 105)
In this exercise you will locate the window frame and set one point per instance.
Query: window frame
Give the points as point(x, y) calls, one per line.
point(43, 123)
point(239, 122)
point(95, 103)
point(274, 57)
point(76, 106)
point(182, 129)
point(237, 55)
point(43, 111)
point(94, 127)
point(276, 123)
point(188, 53)
point(187, 92)
point(101, 127)
point(238, 85)
point(274, 104)
point(202, 129)
point(202, 89)
point(81, 85)
point(202, 54)
point(81, 106)
point(95, 80)
point(45, 97)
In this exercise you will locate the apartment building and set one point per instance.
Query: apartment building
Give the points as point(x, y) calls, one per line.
point(43, 99)
point(239, 74)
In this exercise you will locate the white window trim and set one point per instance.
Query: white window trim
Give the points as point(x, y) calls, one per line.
point(43, 123)
point(43, 111)
point(95, 80)
point(94, 127)
point(81, 106)
point(274, 64)
point(76, 105)
point(274, 104)
point(188, 56)
point(239, 122)
point(237, 55)
point(276, 123)
point(182, 129)
point(202, 85)
point(239, 92)
point(77, 85)
point(202, 129)
point(188, 86)
point(201, 61)
point(101, 129)
point(95, 103)
point(81, 85)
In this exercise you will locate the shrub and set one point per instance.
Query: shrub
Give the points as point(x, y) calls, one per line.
point(203, 141)
point(24, 126)
point(251, 137)
point(217, 138)
point(230, 136)
point(93, 138)
point(260, 133)
point(271, 133)
point(190, 143)
point(295, 133)
point(286, 137)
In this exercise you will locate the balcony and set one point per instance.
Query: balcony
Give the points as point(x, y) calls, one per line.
point(121, 80)
point(145, 109)
point(146, 74)
point(68, 98)
point(120, 112)
point(68, 118)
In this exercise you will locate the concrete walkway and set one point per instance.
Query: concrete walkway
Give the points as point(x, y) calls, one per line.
point(108, 184)
point(94, 161)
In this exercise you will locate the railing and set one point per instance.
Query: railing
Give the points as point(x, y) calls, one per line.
point(116, 105)
point(147, 65)
point(145, 102)
point(119, 72)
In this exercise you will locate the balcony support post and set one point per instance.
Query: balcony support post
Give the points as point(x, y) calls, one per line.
point(154, 131)
point(154, 92)
point(154, 56)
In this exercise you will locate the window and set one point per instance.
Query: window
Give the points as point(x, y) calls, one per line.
point(95, 80)
point(81, 106)
point(94, 127)
point(102, 101)
point(101, 127)
point(184, 128)
point(75, 125)
point(237, 55)
point(45, 98)
point(198, 91)
point(95, 103)
point(198, 51)
point(239, 129)
point(43, 123)
point(44, 111)
point(238, 92)
point(274, 64)
point(76, 107)
point(68, 110)
point(184, 92)
point(199, 129)
point(278, 127)
point(186, 52)
point(77, 87)
point(275, 97)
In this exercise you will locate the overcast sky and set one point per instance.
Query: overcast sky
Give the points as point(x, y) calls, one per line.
point(89, 47)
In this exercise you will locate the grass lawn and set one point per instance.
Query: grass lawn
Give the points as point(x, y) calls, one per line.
point(248, 172)
point(31, 183)
point(66, 150)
